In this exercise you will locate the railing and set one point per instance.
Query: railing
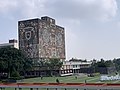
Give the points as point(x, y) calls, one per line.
point(65, 86)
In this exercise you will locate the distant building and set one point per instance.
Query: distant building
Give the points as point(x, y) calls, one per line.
point(41, 39)
point(12, 43)
point(76, 64)
point(75, 67)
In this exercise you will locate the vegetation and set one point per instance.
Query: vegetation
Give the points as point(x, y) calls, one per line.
point(113, 64)
point(52, 65)
point(13, 61)
point(102, 65)
point(67, 79)
point(117, 63)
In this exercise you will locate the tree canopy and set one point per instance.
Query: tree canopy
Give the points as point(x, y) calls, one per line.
point(50, 64)
point(13, 60)
point(54, 64)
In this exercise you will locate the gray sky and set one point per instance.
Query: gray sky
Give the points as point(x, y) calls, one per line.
point(92, 27)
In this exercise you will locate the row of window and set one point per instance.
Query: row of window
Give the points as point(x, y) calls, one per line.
point(75, 66)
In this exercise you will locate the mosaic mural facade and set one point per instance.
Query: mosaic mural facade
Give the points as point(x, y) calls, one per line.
point(41, 38)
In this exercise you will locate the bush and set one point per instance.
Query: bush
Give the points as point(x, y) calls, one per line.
point(9, 81)
point(4, 81)
point(90, 75)
point(12, 80)
point(15, 74)
point(96, 74)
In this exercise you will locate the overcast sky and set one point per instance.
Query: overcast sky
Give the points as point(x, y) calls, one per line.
point(92, 27)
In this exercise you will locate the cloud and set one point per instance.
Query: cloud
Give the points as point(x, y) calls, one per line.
point(22, 8)
point(31, 8)
point(84, 9)
point(7, 5)
point(71, 9)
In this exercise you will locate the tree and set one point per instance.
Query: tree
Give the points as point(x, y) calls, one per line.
point(53, 65)
point(117, 63)
point(109, 63)
point(13, 60)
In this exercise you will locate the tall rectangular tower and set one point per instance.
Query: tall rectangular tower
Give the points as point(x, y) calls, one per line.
point(41, 38)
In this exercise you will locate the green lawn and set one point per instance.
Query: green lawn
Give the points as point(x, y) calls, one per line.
point(67, 79)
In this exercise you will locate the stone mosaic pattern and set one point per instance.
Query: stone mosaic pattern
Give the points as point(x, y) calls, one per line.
point(41, 39)
point(28, 37)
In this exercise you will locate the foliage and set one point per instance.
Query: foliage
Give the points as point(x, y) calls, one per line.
point(102, 64)
point(13, 61)
point(77, 60)
point(54, 64)
point(117, 63)
point(50, 64)
point(14, 73)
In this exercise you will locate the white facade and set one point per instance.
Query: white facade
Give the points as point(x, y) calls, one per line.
point(10, 44)
point(75, 64)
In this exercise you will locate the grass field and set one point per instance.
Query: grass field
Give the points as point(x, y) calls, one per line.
point(67, 79)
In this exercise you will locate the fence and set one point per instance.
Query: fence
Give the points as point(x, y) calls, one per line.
point(58, 86)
